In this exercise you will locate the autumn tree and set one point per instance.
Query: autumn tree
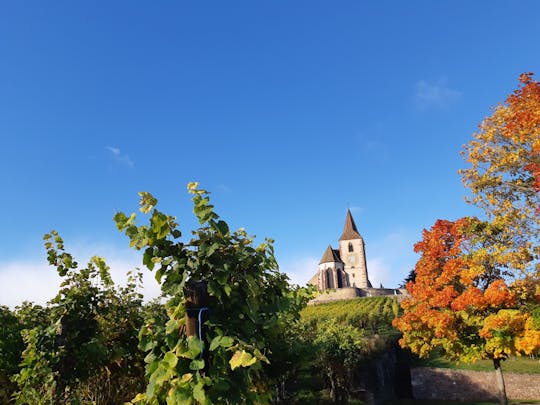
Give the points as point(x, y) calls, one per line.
point(462, 303)
point(504, 174)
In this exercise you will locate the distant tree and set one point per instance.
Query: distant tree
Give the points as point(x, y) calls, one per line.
point(461, 302)
point(410, 277)
point(340, 349)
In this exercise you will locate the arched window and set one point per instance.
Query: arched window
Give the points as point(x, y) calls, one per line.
point(329, 279)
point(350, 247)
point(339, 279)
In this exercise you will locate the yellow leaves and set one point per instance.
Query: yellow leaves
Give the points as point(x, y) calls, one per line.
point(147, 202)
point(504, 323)
point(529, 343)
point(241, 358)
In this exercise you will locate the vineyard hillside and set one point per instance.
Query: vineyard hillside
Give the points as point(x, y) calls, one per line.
point(373, 314)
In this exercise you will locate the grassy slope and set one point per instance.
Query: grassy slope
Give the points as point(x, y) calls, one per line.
point(524, 365)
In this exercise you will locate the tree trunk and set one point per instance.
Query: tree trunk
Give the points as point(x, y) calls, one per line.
point(333, 387)
point(500, 382)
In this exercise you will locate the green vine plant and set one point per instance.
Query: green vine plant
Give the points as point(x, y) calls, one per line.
point(87, 337)
point(250, 309)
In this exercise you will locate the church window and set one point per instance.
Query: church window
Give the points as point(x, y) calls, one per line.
point(350, 247)
point(329, 279)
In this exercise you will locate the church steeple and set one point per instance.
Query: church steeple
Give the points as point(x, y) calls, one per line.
point(350, 231)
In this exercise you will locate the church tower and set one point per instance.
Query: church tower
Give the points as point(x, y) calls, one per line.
point(352, 253)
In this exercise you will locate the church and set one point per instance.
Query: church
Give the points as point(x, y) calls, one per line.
point(342, 273)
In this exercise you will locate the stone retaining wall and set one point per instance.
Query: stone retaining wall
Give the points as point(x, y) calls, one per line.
point(348, 293)
point(465, 385)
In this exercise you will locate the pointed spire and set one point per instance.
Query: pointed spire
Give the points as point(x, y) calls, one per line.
point(330, 256)
point(349, 230)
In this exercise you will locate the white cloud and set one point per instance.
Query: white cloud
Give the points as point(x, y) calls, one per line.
point(435, 94)
point(120, 157)
point(299, 269)
point(27, 281)
point(38, 282)
point(379, 272)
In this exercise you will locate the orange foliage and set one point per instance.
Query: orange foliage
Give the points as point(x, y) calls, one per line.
point(459, 303)
point(523, 121)
point(498, 295)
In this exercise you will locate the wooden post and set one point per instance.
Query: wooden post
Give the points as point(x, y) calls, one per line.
point(196, 293)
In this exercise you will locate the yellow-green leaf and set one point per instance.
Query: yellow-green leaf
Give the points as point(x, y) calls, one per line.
point(241, 358)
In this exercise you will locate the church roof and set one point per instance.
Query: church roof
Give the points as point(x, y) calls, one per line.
point(349, 230)
point(330, 256)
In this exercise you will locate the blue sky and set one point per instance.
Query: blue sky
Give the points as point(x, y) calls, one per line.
point(288, 111)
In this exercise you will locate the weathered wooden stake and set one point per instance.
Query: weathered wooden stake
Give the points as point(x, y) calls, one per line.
point(196, 293)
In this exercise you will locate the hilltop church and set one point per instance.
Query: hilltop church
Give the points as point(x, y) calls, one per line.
point(343, 273)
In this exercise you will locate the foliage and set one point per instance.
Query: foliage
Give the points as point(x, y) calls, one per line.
point(460, 302)
point(340, 349)
point(410, 277)
point(477, 285)
point(251, 306)
point(11, 347)
point(372, 313)
point(341, 337)
point(504, 176)
point(85, 342)
point(11, 343)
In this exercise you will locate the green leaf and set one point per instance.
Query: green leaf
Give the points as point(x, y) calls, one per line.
point(172, 326)
point(221, 341)
point(227, 288)
point(222, 227)
point(226, 341)
point(197, 364)
point(199, 394)
point(170, 359)
point(215, 343)
point(194, 348)
point(179, 397)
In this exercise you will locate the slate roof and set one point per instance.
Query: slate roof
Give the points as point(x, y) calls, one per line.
point(349, 230)
point(330, 256)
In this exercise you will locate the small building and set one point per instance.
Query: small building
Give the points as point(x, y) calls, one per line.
point(345, 266)
point(343, 273)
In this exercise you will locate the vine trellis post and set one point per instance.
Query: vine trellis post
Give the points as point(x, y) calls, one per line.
point(197, 313)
